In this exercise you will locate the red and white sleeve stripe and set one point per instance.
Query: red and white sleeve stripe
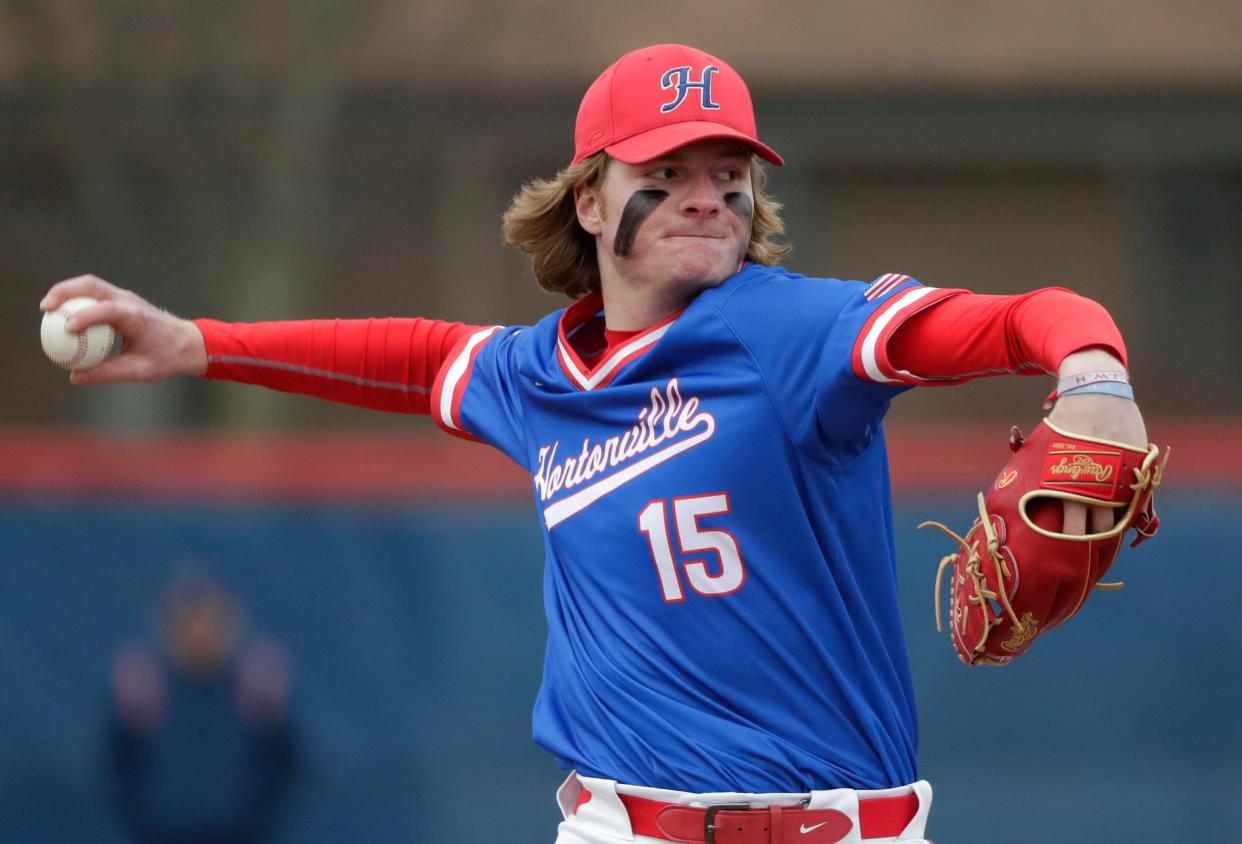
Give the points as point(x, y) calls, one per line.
point(451, 382)
point(870, 355)
point(906, 341)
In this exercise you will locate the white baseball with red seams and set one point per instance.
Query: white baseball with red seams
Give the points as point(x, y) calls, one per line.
point(72, 350)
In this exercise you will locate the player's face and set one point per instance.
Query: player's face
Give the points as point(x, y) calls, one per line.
point(676, 224)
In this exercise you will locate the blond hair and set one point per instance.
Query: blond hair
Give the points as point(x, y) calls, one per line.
point(542, 221)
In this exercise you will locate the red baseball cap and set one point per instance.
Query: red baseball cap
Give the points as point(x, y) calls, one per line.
point(662, 97)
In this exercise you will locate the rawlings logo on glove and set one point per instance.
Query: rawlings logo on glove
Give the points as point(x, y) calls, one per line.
point(1015, 575)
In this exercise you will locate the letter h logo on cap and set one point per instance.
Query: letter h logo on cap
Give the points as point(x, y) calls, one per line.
point(641, 107)
point(683, 86)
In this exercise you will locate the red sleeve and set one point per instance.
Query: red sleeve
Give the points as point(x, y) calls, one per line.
point(383, 364)
point(972, 335)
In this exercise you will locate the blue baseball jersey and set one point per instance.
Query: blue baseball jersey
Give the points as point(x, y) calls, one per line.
point(720, 583)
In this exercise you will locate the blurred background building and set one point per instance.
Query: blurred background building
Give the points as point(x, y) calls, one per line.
point(327, 158)
point(348, 159)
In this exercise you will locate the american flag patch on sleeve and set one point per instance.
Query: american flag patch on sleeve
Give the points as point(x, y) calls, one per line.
point(884, 284)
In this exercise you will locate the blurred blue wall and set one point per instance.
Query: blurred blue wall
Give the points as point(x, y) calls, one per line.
point(417, 636)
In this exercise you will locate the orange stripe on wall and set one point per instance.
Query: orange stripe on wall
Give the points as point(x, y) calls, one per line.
point(1203, 453)
point(298, 465)
point(363, 464)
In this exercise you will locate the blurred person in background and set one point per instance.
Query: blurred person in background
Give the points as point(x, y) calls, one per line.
point(201, 750)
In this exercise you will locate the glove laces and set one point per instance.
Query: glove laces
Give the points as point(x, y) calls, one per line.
point(974, 570)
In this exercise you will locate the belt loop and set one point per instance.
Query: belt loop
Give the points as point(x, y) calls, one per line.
point(776, 827)
point(919, 823)
point(604, 810)
point(567, 795)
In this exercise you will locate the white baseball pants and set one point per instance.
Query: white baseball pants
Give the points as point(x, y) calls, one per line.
point(604, 820)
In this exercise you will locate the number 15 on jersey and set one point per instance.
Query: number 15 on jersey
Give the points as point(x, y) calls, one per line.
point(692, 538)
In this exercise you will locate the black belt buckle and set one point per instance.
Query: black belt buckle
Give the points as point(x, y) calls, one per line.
point(709, 822)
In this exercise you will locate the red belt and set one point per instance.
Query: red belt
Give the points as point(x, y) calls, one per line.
point(737, 823)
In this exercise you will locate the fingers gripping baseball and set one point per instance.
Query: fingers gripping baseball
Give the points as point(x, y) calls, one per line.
point(82, 285)
point(155, 344)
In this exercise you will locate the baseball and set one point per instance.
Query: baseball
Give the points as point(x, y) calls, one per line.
point(75, 350)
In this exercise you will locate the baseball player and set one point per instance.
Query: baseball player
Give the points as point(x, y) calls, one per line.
point(725, 661)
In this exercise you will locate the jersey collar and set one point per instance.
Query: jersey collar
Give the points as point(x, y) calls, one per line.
point(590, 378)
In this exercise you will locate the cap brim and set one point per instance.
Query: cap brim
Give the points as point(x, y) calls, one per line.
point(664, 139)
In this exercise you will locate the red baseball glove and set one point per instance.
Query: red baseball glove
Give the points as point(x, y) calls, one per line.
point(1015, 575)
